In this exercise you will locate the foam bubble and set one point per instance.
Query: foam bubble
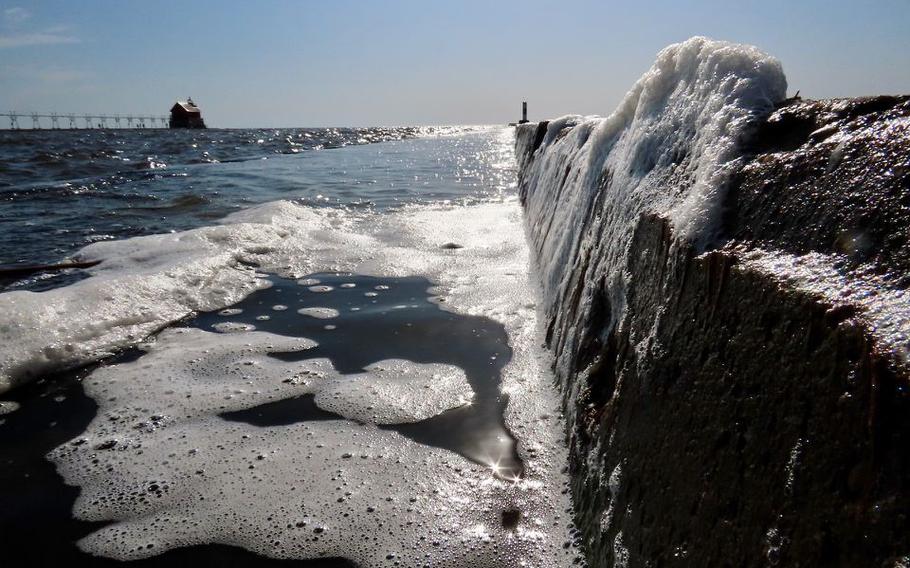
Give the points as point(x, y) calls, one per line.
point(233, 327)
point(396, 391)
point(142, 284)
point(320, 313)
point(172, 472)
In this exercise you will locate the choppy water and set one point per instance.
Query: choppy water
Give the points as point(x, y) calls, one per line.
point(62, 190)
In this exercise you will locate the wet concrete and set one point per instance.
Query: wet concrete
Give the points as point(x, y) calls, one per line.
point(844, 188)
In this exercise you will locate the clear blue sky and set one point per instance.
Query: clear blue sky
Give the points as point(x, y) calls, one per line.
point(340, 62)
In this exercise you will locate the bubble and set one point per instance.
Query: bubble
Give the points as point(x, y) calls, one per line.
point(7, 406)
point(233, 327)
point(319, 313)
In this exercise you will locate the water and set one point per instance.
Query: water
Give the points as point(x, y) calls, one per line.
point(287, 352)
point(62, 190)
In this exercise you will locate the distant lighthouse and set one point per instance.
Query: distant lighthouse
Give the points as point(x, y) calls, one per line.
point(185, 114)
point(524, 112)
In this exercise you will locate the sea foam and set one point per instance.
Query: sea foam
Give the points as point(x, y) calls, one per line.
point(166, 465)
point(159, 459)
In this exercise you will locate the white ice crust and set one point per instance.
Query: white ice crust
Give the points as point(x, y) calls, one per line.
point(667, 149)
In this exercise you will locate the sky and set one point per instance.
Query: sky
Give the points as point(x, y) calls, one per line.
point(277, 63)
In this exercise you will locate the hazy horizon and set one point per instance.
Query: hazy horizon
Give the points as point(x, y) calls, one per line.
point(280, 64)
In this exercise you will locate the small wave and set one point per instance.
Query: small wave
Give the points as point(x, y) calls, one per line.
point(188, 201)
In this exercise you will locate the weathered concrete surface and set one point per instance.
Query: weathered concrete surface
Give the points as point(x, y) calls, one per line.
point(830, 176)
point(731, 419)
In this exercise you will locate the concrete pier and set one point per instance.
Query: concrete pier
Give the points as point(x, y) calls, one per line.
point(52, 121)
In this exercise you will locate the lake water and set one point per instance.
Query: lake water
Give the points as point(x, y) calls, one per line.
point(315, 345)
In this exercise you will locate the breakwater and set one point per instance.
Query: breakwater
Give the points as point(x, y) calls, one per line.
point(724, 274)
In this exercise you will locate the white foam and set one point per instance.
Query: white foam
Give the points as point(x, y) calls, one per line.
point(8, 406)
point(176, 392)
point(158, 425)
point(190, 376)
point(232, 327)
point(145, 283)
point(319, 313)
point(395, 392)
point(141, 285)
